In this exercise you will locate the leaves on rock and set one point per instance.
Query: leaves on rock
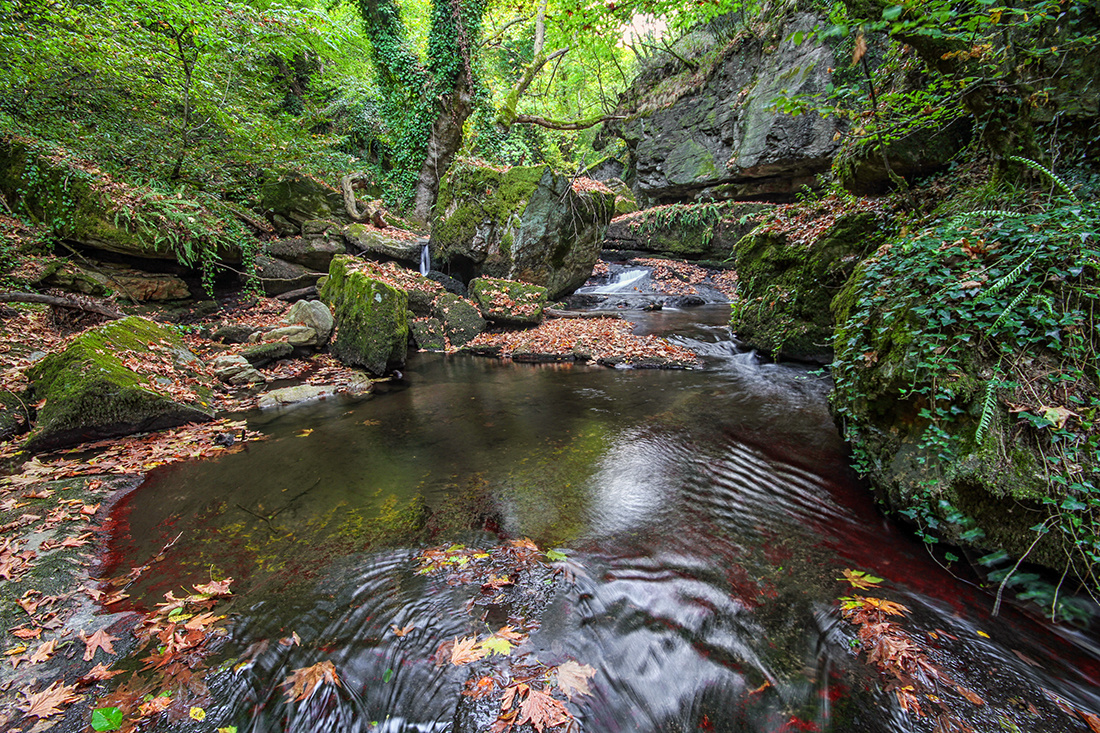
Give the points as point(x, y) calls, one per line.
point(98, 640)
point(47, 702)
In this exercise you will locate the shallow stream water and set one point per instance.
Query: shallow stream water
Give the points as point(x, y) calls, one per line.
point(707, 517)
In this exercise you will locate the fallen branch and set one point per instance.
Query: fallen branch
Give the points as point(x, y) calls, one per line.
point(89, 306)
point(556, 313)
point(562, 125)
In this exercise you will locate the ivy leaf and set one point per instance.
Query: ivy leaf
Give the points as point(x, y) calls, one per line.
point(106, 719)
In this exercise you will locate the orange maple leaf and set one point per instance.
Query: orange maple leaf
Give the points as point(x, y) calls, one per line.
point(99, 673)
point(99, 640)
point(304, 680)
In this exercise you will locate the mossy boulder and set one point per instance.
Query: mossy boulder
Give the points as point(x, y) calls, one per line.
point(525, 223)
point(290, 199)
point(508, 302)
point(460, 318)
point(921, 152)
point(385, 243)
point(697, 232)
point(125, 377)
point(427, 334)
point(14, 414)
point(786, 288)
point(372, 329)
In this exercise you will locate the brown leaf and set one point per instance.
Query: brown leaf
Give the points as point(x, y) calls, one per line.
point(215, 588)
point(466, 650)
point(859, 50)
point(99, 640)
point(304, 680)
point(1092, 720)
point(401, 632)
point(24, 632)
point(573, 678)
point(542, 711)
point(99, 673)
point(48, 702)
point(43, 652)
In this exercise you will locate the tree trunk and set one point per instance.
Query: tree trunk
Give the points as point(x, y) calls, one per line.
point(443, 144)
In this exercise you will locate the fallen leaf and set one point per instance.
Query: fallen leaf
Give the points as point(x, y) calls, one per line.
point(24, 632)
point(573, 678)
point(542, 711)
point(99, 640)
point(859, 579)
point(100, 673)
point(215, 588)
point(43, 652)
point(401, 632)
point(467, 650)
point(304, 680)
point(48, 702)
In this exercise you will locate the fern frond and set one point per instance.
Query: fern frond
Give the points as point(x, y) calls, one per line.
point(987, 410)
point(1011, 307)
point(1047, 172)
point(1012, 276)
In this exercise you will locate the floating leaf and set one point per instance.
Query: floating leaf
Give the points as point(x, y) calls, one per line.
point(467, 650)
point(573, 678)
point(304, 680)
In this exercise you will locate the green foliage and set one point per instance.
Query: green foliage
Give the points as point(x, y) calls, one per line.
point(707, 215)
point(1019, 293)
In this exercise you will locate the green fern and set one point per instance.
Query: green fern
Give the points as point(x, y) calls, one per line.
point(1012, 276)
point(1047, 172)
point(987, 410)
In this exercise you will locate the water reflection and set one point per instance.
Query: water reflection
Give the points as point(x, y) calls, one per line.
point(708, 516)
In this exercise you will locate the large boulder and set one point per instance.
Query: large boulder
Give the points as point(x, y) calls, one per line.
point(127, 376)
point(290, 199)
point(459, 317)
point(711, 130)
point(278, 276)
point(313, 252)
point(786, 286)
point(684, 231)
point(395, 244)
point(526, 223)
point(918, 152)
point(508, 302)
point(372, 329)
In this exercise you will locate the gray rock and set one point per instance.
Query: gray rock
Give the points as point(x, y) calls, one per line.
point(265, 353)
point(290, 199)
point(233, 333)
point(236, 370)
point(508, 302)
point(296, 335)
point(278, 276)
point(369, 240)
point(293, 395)
point(312, 313)
point(313, 253)
point(722, 139)
point(532, 225)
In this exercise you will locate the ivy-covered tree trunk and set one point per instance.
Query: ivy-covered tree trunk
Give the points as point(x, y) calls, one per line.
point(442, 146)
point(429, 101)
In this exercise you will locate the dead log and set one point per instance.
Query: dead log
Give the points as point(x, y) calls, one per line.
point(83, 304)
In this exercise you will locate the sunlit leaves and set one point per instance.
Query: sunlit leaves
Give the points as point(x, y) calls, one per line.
point(860, 580)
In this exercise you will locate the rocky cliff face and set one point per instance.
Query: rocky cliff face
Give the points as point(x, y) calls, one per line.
point(712, 131)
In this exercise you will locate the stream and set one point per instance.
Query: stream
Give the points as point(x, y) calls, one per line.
point(706, 518)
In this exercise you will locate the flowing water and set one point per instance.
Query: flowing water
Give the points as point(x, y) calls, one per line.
point(706, 516)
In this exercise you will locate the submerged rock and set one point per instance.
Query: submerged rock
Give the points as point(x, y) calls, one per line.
point(371, 317)
point(524, 223)
point(127, 376)
point(292, 395)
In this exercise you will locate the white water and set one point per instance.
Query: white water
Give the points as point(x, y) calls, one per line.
point(620, 282)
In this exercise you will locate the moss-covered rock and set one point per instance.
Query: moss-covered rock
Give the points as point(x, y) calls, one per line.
point(921, 152)
point(525, 223)
point(289, 199)
point(92, 389)
point(383, 243)
point(786, 288)
point(695, 232)
point(507, 301)
point(372, 329)
point(14, 414)
point(427, 334)
point(460, 318)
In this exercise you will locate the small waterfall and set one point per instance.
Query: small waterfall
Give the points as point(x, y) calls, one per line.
point(425, 259)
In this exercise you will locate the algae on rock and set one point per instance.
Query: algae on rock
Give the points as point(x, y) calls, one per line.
point(371, 316)
point(509, 302)
point(92, 389)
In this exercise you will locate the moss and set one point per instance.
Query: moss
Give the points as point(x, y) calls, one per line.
point(508, 301)
point(461, 319)
point(787, 290)
point(371, 317)
point(90, 393)
point(488, 195)
point(427, 334)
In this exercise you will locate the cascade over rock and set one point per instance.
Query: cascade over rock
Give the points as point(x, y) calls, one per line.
point(711, 132)
point(526, 223)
